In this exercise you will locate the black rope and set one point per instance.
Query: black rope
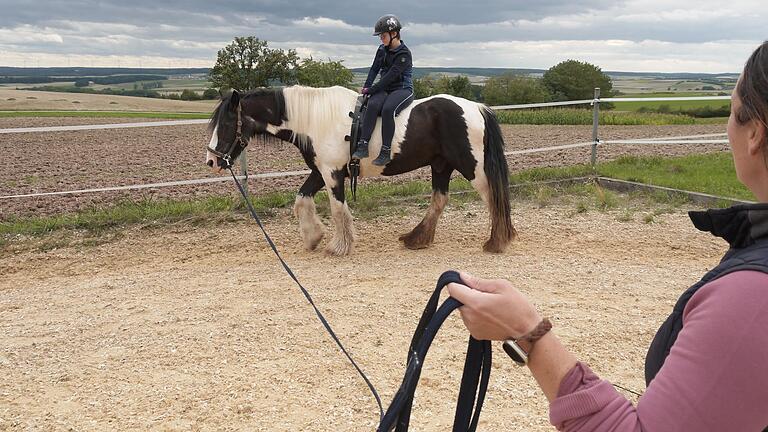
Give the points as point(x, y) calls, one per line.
point(306, 294)
point(626, 389)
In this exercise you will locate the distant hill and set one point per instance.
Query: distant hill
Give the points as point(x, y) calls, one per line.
point(420, 72)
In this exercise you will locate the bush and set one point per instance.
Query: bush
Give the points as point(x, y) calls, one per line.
point(210, 93)
point(511, 89)
point(189, 95)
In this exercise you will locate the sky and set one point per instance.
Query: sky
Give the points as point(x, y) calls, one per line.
point(616, 35)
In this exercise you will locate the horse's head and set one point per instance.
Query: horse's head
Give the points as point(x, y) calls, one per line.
point(237, 119)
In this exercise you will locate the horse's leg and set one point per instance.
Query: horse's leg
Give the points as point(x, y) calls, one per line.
point(310, 226)
point(424, 233)
point(343, 236)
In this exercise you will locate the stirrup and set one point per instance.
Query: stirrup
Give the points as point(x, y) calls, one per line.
point(354, 172)
point(361, 151)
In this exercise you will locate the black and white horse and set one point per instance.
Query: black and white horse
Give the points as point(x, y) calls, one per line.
point(444, 132)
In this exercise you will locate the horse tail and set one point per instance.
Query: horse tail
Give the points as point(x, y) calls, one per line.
point(497, 173)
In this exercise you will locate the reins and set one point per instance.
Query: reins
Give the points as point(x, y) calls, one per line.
point(306, 293)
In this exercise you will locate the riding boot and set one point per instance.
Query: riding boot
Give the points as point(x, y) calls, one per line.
point(383, 158)
point(361, 151)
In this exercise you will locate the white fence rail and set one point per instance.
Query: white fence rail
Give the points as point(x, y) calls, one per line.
point(594, 143)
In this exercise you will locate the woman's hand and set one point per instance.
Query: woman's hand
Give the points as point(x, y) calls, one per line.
point(493, 309)
point(364, 90)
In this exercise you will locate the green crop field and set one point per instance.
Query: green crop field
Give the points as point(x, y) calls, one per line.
point(673, 105)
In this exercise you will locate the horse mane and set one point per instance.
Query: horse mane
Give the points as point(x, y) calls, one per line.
point(225, 103)
point(317, 112)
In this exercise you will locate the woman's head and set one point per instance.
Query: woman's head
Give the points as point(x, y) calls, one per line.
point(748, 124)
point(752, 88)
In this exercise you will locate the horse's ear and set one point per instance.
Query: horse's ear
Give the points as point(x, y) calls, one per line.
point(234, 101)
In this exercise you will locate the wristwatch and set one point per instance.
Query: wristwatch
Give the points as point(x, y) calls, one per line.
point(514, 349)
point(519, 349)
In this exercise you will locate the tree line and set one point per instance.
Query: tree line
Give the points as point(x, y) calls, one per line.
point(248, 63)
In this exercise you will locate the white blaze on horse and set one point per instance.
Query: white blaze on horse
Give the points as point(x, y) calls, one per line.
point(444, 132)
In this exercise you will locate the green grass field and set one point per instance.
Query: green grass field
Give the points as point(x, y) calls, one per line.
point(673, 105)
point(572, 116)
point(171, 85)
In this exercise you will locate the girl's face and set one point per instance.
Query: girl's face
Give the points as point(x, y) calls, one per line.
point(385, 38)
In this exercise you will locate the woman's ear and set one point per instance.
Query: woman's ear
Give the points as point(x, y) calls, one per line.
point(757, 136)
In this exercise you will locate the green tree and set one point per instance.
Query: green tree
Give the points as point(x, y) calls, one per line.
point(575, 80)
point(510, 89)
point(248, 62)
point(210, 94)
point(314, 73)
point(424, 87)
point(189, 95)
point(456, 86)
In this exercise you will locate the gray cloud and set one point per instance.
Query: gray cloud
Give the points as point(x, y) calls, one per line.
point(196, 29)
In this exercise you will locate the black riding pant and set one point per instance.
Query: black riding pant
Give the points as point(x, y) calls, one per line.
point(388, 105)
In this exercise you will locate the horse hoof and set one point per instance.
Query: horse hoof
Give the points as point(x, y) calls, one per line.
point(415, 241)
point(494, 247)
point(338, 249)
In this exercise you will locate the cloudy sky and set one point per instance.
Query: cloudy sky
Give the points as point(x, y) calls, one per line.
point(618, 35)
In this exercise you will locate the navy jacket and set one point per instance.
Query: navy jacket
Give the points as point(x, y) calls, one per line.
point(745, 227)
point(396, 67)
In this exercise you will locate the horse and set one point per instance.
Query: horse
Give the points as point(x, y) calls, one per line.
point(444, 132)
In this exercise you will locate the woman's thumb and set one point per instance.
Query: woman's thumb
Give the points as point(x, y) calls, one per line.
point(460, 292)
point(477, 283)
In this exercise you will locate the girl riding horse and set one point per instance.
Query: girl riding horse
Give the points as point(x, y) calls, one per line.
point(392, 93)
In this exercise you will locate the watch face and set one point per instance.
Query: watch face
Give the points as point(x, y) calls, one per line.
point(515, 352)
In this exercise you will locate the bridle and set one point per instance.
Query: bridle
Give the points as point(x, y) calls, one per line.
point(239, 141)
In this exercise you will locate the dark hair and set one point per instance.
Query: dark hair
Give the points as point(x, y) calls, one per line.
point(753, 88)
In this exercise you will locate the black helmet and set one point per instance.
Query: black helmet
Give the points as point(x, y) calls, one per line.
point(387, 23)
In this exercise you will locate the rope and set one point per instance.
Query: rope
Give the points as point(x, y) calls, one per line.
point(306, 294)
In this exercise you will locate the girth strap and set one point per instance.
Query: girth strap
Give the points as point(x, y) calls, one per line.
point(477, 368)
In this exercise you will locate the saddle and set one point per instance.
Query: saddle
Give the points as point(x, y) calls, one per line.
point(474, 381)
point(353, 137)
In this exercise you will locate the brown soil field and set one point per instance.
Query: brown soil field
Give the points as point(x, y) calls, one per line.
point(199, 328)
point(60, 161)
point(30, 100)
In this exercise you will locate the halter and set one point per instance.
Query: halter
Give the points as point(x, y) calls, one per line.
point(227, 156)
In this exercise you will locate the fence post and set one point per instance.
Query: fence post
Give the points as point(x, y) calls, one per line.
point(244, 169)
point(595, 125)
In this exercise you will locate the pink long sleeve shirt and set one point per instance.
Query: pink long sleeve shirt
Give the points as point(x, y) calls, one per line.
point(714, 379)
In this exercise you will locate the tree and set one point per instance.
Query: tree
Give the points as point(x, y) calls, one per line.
point(424, 87)
point(575, 80)
point(514, 89)
point(210, 94)
point(189, 95)
point(456, 86)
point(323, 74)
point(248, 62)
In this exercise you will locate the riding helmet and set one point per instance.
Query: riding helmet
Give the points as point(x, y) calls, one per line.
point(387, 23)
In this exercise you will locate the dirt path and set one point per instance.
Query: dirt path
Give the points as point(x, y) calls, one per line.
point(198, 328)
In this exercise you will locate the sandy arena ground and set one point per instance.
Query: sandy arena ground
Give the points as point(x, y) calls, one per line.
point(199, 328)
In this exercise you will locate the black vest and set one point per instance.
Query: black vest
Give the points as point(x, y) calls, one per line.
point(745, 227)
